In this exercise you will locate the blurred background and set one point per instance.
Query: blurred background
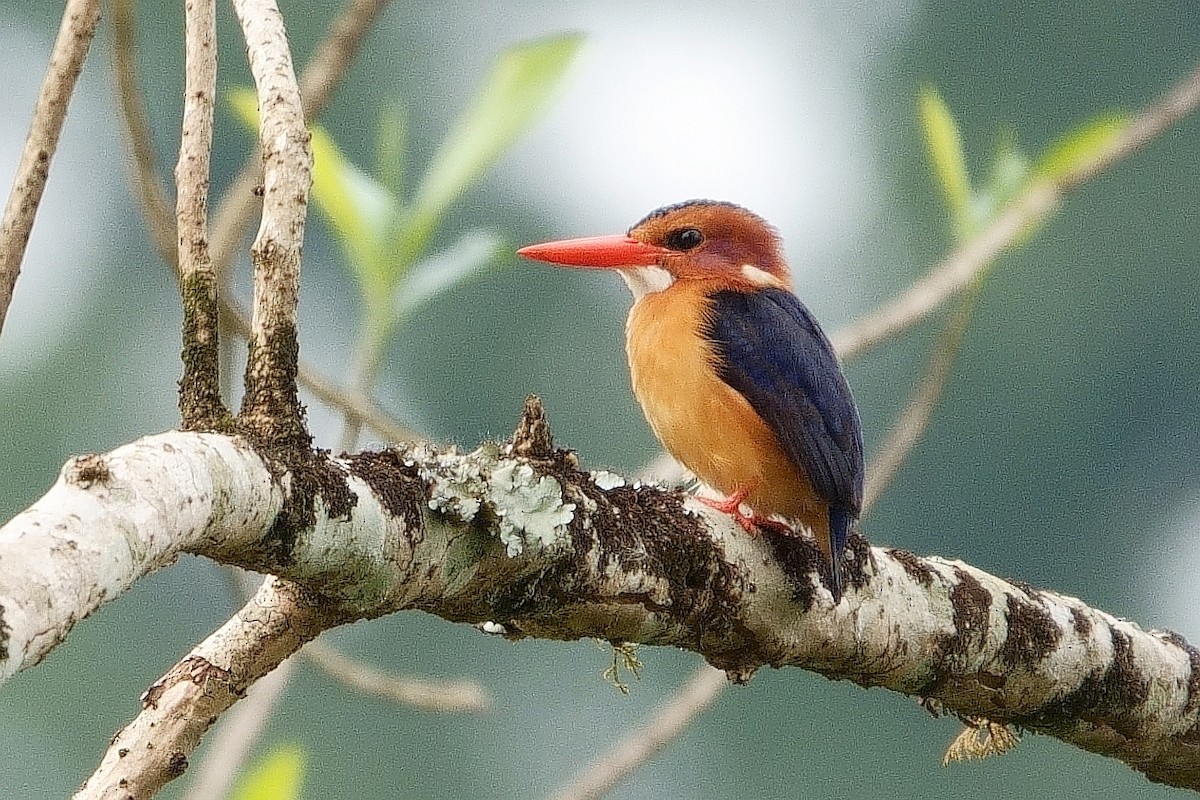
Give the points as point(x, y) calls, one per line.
point(1066, 452)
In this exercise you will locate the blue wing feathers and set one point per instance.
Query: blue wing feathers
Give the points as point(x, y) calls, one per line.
point(777, 357)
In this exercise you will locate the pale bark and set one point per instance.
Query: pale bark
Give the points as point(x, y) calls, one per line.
point(538, 547)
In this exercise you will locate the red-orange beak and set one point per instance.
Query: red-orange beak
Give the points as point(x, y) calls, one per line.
point(596, 252)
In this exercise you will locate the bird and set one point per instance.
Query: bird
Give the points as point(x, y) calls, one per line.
point(734, 374)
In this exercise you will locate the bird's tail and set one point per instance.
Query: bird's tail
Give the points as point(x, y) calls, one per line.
point(840, 520)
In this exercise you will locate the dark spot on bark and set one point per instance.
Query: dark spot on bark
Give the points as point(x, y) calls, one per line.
point(398, 486)
point(858, 562)
point(313, 475)
point(87, 470)
point(1080, 622)
point(971, 606)
point(801, 560)
point(916, 567)
point(1193, 655)
point(177, 764)
point(1032, 634)
point(272, 415)
point(1105, 696)
point(5, 637)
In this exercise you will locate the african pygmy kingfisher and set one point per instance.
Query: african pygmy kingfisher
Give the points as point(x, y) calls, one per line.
point(735, 377)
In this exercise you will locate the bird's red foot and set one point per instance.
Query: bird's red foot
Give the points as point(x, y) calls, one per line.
point(732, 506)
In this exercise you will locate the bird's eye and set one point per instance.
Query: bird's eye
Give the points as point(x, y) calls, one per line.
point(684, 239)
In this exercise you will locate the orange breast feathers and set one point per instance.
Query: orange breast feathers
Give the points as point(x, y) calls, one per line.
point(702, 421)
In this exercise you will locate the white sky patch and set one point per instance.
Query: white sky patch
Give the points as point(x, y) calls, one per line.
point(670, 106)
point(75, 221)
point(1167, 576)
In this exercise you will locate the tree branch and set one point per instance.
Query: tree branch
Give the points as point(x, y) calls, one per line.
point(271, 407)
point(200, 405)
point(538, 547)
point(176, 711)
point(321, 75)
point(66, 62)
point(1041, 198)
point(641, 744)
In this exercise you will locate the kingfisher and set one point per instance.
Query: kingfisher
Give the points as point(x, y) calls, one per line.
point(733, 373)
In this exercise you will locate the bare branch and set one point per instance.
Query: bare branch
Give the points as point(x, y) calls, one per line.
point(321, 75)
point(66, 61)
point(156, 208)
point(200, 405)
point(638, 746)
point(176, 711)
point(970, 261)
point(466, 536)
point(271, 406)
point(445, 696)
point(233, 740)
point(913, 421)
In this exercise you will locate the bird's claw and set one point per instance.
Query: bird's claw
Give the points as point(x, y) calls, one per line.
point(750, 523)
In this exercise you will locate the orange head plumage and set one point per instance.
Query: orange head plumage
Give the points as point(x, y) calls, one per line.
point(698, 240)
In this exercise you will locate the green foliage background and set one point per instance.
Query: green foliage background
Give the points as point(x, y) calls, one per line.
point(1066, 452)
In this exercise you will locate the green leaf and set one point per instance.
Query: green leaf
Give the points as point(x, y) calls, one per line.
point(275, 777)
point(515, 91)
point(1081, 145)
point(357, 207)
point(468, 258)
point(1009, 174)
point(944, 144)
point(244, 103)
point(389, 149)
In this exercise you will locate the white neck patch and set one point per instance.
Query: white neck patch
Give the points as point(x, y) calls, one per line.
point(646, 280)
point(760, 277)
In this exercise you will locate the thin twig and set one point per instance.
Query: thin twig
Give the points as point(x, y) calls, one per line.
point(966, 264)
point(156, 210)
point(323, 73)
point(233, 740)
point(200, 403)
point(270, 405)
point(153, 749)
point(445, 696)
point(66, 61)
point(911, 425)
point(641, 744)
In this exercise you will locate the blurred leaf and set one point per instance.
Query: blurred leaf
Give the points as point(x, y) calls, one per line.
point(1008, 175)
point(358, 208)
point(389, 149)
point(244, 103)
point(467, 258)
point(275, 777)
point(516, 89)
point(945, 147)
point(1081, 145)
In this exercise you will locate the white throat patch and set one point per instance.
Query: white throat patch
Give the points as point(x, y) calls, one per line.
point(646, 280)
